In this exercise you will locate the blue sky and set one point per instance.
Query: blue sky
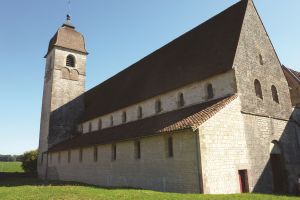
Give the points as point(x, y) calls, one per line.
point(117, 33)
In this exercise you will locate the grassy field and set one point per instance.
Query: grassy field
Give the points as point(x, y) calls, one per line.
point(30, 188)
point(10, 167)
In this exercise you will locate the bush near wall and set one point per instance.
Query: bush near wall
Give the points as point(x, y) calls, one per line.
point(29, 161)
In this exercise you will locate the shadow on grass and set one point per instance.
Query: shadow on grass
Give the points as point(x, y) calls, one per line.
point(27, 179)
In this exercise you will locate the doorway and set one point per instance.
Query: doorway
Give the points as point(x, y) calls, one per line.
point(278, 171)
point(243, 178)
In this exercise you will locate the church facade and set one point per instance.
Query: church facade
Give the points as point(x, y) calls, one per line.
point(212, 112)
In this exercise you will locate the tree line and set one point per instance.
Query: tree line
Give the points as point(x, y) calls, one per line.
point(10, 158)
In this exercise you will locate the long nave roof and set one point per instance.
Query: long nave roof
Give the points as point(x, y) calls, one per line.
point(205, 51)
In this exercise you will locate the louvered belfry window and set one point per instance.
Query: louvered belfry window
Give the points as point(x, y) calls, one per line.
point(70, 62)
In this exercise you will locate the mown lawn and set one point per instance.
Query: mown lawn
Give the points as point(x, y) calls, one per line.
point(10, 167)
point(30, 188)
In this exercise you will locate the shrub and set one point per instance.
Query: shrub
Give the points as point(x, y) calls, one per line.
point(29, 161)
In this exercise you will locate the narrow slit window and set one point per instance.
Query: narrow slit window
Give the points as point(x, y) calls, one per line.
point(258, 91)
point(124, 117)
point(140, 112)
point(180, 100)
point(70, 62)
point(80, 155)
point(274, 94)
point(42, 158)
point(99, 124)
point(210, 91)
point(137, 149)
point(95, 154)
point(69, 156)
point(90, 127)
point(158, 107)
point(59, 156)
point(261, 59)
point(170, 147)
point(114, 152)
point(111, 120)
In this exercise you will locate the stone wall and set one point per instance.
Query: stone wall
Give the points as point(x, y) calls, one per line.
point(223, 150)
point(67, 104)
point(62, 101)
point(195, 93)
point(260, 132)
point(257, 59)
point(232, 141)
point(45, 114)
point(155, 170)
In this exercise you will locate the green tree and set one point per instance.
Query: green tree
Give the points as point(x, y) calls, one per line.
point(29, 161)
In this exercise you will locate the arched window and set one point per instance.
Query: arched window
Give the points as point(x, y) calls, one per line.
point(99, 124)
point(180, 101)
point(124, 117)
point(70, 62)
point(274, 94)
point(158, 108)
point(210, 92)
point(258, 90)
point(140, 112)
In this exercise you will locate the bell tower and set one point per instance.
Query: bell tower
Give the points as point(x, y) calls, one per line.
point(64, 84)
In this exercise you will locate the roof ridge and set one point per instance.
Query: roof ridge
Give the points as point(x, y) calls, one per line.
point(205, 51)
point(291, 71)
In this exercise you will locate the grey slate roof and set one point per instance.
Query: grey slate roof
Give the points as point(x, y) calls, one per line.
point(205, 51)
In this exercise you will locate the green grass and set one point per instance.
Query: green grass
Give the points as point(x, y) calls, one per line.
point(30, 188)
point(10, 167)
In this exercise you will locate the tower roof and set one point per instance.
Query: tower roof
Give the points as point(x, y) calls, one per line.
point(67, 37)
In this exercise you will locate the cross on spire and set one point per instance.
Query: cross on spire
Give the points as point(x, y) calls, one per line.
point(68, 22)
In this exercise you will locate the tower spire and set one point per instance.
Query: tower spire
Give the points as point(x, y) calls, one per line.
point(68, 22)
point(69, 7)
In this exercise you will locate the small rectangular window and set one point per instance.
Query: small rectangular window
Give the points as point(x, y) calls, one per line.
point(170, 147)
point(69, 156)
point(50, 157)
point(80, 155)
point(114, 152)
point(95, 154)
point(137, 149)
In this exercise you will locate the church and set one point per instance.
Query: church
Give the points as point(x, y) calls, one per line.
point(214, 112)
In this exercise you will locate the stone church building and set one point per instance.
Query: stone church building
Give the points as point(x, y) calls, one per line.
point(213, 111)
